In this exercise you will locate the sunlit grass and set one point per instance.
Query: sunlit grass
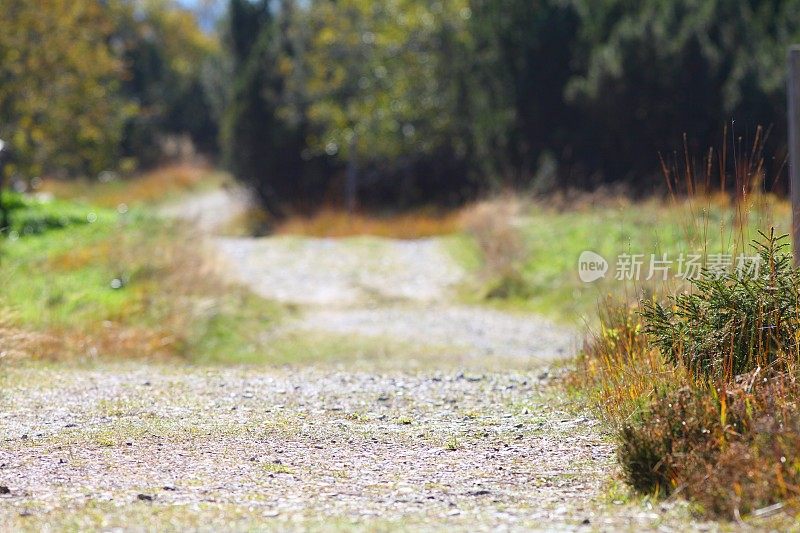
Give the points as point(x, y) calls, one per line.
point(337, 223)
point(553, 238)
point(125, 285)
point(151, 187)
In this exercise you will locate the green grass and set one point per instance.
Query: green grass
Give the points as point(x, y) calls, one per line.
point(42, 292)
point(554, 239)
point(30, 217)
point(277, 468)
point(464, 250)
point(110, 284)
point(221, 344)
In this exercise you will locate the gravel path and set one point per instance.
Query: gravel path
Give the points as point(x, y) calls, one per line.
point(209, 211)
point(473, 331)
point(160, 447)
point(146, 446)
point(336, 273)
point(298, 445)
point(389, 289)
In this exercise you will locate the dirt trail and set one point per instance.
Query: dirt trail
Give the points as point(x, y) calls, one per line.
point(386, 288)
point(320, 447)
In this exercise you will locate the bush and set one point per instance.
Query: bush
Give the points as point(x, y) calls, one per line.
point(702, 393)
point(491, 224)
point(734, 324)
point(732, 451)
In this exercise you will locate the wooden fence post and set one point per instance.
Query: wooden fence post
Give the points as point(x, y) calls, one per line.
point(793, 97)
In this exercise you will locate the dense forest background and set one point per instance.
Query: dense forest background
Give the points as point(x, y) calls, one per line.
point(394, 101)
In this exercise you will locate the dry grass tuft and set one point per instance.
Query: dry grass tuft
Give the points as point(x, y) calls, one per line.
point(150, 187)
point(107, 341)
point(491, 222)
point(733, 449)
point(18, 343)
point(493, 225)
point(336, 223)
point(619, 366)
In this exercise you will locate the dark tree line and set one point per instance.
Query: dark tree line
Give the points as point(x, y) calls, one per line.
point(434, 101)
point(402, 102)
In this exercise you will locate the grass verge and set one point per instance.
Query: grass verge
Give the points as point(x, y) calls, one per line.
point(82, 282)
point(337, 223)
point(157, 186)
point(525, 252)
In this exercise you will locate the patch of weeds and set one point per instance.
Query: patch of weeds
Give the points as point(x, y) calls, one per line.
point(123, 286)
point(233, 329)
point(511, 285)
point(357, 417)
point(276, 468)
point(452, 443)
point(288, 347)
point(502, 249)
point(106, 439)
point(464, 249)
point(404, 420)
point(617, 493)
point(113, 408)
point(340, 474)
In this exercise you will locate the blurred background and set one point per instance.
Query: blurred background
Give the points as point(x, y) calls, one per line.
point(397, 103)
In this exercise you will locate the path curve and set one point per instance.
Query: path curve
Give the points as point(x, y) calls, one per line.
point(387, 288)
point(171, 447)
